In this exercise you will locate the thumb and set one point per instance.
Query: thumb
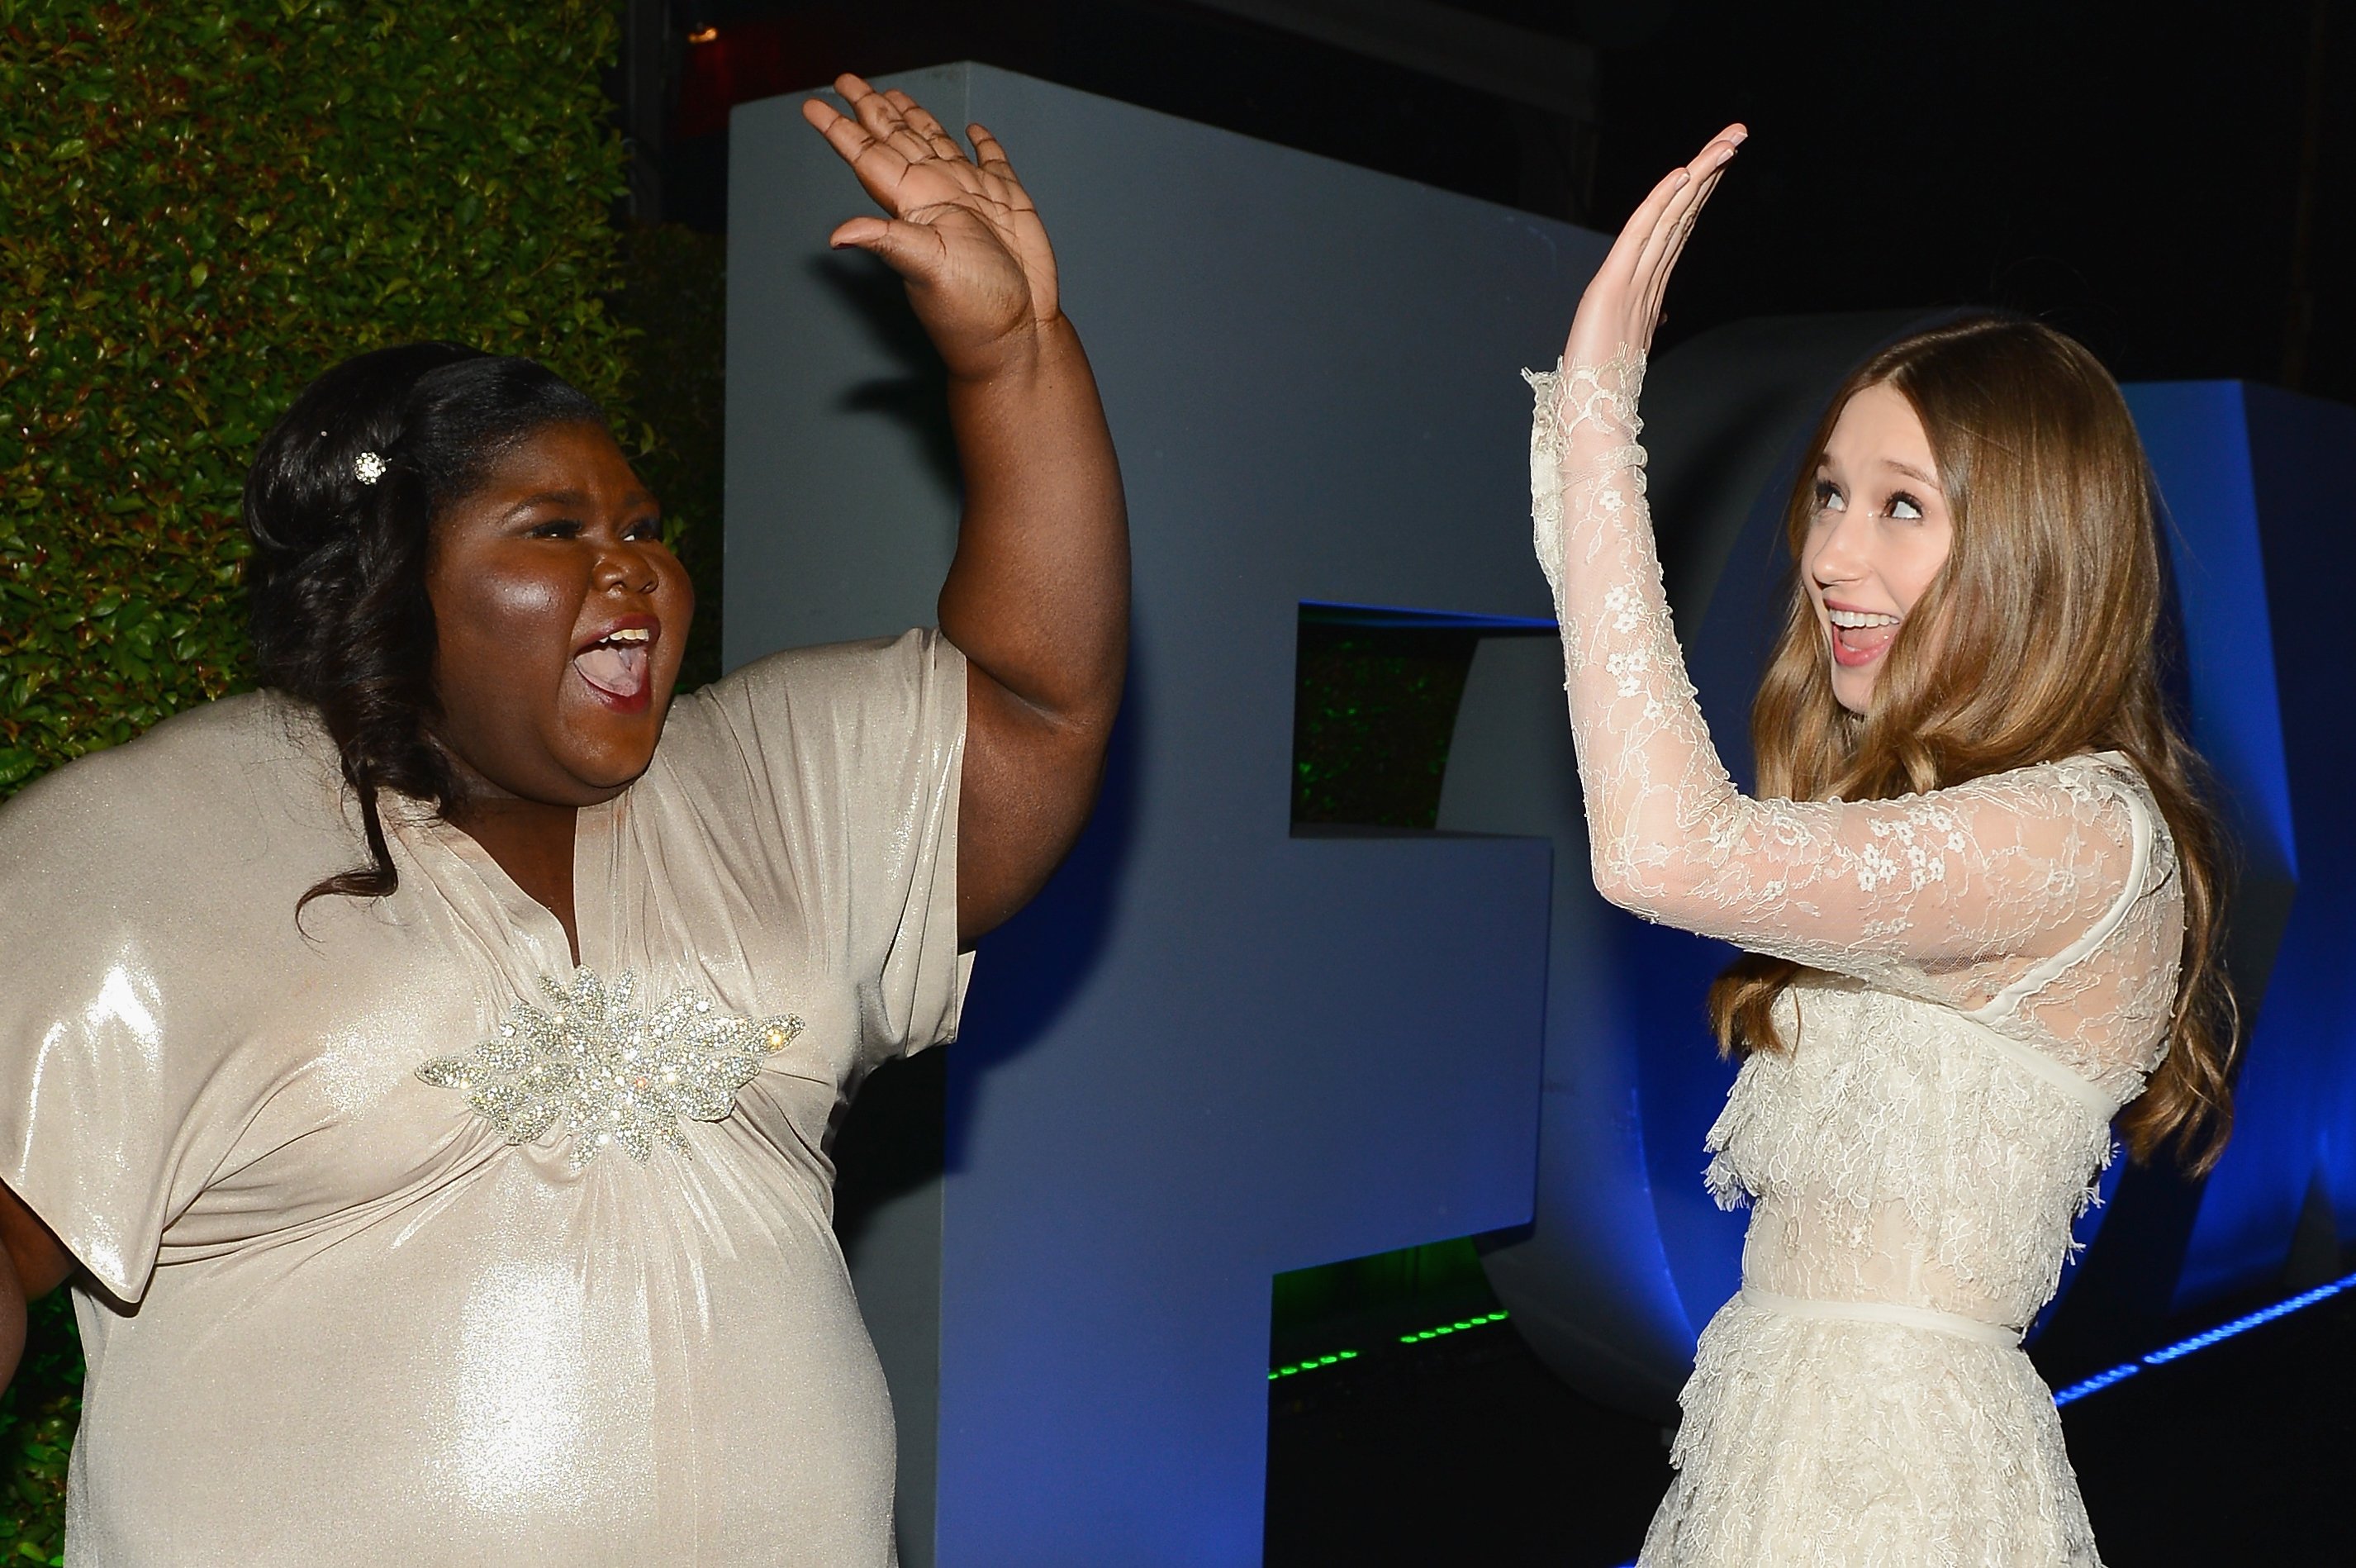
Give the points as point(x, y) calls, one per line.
point(912, 250)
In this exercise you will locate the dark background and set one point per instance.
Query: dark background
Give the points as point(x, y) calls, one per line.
point(2170, 184)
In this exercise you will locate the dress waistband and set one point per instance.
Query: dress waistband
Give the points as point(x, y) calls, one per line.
point(1953, 1323)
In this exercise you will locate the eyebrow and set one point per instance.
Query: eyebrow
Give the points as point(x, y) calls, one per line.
point(575, 498)
point(1824, 462)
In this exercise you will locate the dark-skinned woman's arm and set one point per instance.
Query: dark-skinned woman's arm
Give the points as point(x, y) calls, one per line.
point(1037, 598)
point(33, 1263)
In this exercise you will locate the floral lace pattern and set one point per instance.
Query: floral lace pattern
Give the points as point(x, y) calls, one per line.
point(1900, 1152)
point(1954, 896)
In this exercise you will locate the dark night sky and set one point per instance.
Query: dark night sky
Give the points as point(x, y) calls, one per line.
point(2129, 172)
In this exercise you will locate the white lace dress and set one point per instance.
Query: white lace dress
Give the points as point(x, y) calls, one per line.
point(1996, 961)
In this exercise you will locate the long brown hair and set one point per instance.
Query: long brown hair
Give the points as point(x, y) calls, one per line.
point(2054, 579)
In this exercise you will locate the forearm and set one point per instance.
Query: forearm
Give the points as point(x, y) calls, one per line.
point(1654, 786)
point(12, 1318)
point(1037, 596)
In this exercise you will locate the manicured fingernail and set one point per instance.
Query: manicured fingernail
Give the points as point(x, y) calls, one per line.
point(1683, 175)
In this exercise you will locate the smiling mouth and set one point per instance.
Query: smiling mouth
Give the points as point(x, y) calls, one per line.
point(618, 664)
point(1859, 637)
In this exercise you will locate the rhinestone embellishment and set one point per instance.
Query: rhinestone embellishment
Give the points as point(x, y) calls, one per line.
point(607, 1074)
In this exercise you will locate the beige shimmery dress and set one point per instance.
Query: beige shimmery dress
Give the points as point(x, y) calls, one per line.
point(342, 1318)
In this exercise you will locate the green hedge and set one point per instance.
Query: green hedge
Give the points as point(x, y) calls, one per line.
point(206, 204)
point(203, 203)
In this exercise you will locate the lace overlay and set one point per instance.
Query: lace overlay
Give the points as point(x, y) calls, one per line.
point(1918, 1145)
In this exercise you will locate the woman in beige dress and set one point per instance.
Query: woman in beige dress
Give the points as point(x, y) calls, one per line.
point(1978, 895)
point(422, 1069)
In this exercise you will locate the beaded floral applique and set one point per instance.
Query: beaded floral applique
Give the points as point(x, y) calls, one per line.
point(607, 1074)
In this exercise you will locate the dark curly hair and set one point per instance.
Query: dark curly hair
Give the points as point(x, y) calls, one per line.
point(336, 585)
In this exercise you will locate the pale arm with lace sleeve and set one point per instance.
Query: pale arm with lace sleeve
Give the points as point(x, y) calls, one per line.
point(1947, 895)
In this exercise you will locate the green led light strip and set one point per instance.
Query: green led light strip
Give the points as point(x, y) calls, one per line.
point(1458, 1326)
point(1311, 1365)
point(1315, 1362)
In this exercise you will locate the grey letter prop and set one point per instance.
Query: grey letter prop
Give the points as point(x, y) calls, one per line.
point(1211, 1050)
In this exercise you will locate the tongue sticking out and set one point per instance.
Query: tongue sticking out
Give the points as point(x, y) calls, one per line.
point(618, 672)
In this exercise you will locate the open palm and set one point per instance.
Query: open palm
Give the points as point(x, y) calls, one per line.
point(961, 231)
point(1622, 306)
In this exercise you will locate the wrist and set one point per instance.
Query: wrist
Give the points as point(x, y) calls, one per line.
point(1014, 356)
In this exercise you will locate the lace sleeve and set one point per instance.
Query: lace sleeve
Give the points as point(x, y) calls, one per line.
point(1953, 893)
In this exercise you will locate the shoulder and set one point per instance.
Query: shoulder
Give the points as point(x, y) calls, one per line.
point(875, 668)
point(837, 688)
point(201, 768)
point(2113, 792)
point(222, 796)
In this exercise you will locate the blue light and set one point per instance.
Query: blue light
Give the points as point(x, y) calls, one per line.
point(2098, 1382)
point(2202, 1340)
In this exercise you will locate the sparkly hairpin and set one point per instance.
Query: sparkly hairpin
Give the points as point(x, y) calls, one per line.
point(367, 467)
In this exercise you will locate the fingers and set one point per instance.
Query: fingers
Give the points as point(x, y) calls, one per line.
point(913, 250)
point(1675, 218)
point(877, 163)
point(1620, 264)
point(920, 120)
point(881, 118)
point(1674, 224)
point(991, 157)
point(1682, 231)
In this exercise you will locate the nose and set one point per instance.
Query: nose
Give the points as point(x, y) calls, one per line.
point(627, 566)
point(1837, 553)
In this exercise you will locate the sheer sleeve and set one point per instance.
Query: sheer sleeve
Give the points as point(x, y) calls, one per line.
point(1954, 895)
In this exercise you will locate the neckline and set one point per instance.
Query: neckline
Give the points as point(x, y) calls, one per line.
point(594, 830)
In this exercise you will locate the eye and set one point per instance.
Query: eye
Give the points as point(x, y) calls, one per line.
point(1902, 508)
point(644, 528)
point(1829, 498)
point(556, 528)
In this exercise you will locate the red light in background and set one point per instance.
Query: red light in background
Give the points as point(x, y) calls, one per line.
point(759, 57)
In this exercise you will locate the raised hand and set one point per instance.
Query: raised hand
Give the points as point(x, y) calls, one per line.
point(961, 231)
point(1622, 302)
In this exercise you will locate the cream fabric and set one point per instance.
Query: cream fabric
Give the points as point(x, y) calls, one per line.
point(337, 1320)
point(1998, 962)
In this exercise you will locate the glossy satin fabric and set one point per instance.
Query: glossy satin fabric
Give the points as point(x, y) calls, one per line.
point(340, 1320)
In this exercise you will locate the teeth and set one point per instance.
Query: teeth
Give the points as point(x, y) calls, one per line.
point(1855, 620)
point(637, 634)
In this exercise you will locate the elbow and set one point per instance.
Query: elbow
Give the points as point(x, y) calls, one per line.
point(1619, 881)
point(1648, 888)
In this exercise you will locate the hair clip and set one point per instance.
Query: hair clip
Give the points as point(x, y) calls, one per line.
point(367, 467)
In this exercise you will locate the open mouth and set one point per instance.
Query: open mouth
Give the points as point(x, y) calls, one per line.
point(1859, 637)
point(619, 665)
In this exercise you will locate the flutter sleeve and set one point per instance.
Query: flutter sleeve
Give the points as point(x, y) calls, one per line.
point(117, 1101)
point(1930, 894)
point(855, 753)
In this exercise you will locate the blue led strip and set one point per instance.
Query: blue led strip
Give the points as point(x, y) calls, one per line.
point(2201, 1341)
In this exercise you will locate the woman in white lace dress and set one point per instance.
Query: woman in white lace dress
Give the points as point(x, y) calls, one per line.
point(1978, 898)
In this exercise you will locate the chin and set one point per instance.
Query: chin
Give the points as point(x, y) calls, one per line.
point(608, 769)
